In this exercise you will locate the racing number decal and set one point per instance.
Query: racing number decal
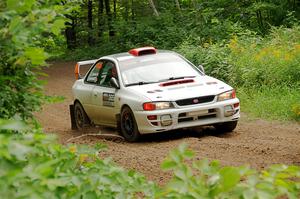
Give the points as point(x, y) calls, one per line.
point(108, 99)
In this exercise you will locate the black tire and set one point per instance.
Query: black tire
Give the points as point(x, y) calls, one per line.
point(226, 127)
point(129, 129)
point(81, 119)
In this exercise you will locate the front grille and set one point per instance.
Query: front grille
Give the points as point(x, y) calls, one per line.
point(207, 116)
point(197, 115)
point(187, 119)
point(195, 100)
point(202, 117)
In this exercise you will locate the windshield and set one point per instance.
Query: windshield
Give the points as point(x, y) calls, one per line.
point(155, 68)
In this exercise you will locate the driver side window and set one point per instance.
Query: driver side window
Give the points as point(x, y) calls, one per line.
point(107, 72)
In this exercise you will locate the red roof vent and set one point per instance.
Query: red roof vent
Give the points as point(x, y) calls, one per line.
point(142, 51)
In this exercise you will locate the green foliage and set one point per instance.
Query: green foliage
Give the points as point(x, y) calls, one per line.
point(273, 61)
point(206, 179)
point(24, 27)
point(271, 103)
point(87, 53)
point(134, 22)
point(161, 32)
point(213, 57)
point(268, 72)
point(11, 125)
point(296, 110)
point(265, 70)
point(35, 166)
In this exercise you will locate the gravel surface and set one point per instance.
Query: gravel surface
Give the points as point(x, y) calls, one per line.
point(257, 143)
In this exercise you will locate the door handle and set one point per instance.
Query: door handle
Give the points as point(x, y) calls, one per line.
point(95, 94)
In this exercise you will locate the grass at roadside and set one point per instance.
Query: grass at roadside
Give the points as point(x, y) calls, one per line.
point(266, 70)
point(271, 103)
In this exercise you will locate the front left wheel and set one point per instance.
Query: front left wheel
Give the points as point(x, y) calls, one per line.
point(129, 128)
point(81, 119)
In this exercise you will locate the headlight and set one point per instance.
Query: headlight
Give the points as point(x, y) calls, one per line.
point(150, 106)
point(227, 95)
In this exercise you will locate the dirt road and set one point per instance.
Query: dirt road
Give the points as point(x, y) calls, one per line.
point(256, 143)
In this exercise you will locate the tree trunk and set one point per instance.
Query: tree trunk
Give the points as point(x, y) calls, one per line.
point(153, 8)
point(132, 11)
point(177, 4)
point(100, 18)
point(126, 14)
point(194, 4)
point(111, 32)
point(115, 10)
point(70, 32)
point(260, 20)
point(90, 22)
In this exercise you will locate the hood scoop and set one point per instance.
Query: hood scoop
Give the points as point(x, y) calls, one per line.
point(177, 82)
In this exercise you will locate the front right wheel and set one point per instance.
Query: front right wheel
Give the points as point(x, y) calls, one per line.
point(226, 127)
point(128, 125)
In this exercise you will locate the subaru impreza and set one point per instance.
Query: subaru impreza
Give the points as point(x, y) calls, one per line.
point(146, 90)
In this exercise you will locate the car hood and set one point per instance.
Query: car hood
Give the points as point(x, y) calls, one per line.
point(181, 89)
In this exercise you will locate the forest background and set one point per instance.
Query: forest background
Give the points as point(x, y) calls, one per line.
point(253, 45)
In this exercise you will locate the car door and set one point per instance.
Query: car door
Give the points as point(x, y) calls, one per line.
point(104, 96)
point(90, 82)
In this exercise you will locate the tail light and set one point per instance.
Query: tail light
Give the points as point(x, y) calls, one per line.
point(76, 71)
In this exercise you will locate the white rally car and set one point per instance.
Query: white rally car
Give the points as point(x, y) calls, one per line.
point(147, 90)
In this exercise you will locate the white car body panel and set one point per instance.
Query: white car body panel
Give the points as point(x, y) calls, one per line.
point(91, 97)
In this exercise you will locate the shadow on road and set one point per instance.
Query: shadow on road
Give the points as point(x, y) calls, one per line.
point(109, 134)
point(198, 132)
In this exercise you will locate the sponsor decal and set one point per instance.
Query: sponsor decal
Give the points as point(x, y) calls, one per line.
point(108, 99)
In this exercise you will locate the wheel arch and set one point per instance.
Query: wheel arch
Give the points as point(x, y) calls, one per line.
point(123, 106)
point(77, 101)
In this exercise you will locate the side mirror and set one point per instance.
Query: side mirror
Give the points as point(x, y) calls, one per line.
point(114, 82)
point(201, 69)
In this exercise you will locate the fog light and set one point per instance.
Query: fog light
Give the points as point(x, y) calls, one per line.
point(166, 120)
point(228, 111)
point(154, 123)
point(152, 117)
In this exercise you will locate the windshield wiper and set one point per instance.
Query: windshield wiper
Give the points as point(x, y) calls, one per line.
point(139, 83)
point(174, 78)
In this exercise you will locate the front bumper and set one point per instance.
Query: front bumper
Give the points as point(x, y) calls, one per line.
point(188, 116)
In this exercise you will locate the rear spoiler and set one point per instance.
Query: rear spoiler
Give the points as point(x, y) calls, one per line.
point(89, 63)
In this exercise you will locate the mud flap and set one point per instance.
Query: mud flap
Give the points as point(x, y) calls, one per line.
point(72, 115)
point(118, 119)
